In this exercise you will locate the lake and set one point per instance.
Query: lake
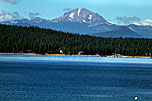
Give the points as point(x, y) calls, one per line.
point(74, 78)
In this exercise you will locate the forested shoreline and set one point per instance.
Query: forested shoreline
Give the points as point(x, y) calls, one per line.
point(15, 39)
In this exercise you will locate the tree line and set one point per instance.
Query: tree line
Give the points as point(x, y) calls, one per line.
point(37, 40)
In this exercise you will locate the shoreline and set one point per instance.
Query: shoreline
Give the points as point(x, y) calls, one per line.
point(76, 55)
point(48, 54)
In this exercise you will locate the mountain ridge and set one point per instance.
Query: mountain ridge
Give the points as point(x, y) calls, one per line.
point(80, 20)
point(122, 31)
point(83, 20)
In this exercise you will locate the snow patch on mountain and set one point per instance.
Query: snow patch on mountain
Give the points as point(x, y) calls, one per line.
point(110, 22)
point(13, 21)
point(79, 10)
point(84, 21)
point(147, 22)
point(71, 15)
point(131, 28)
point(90, 17)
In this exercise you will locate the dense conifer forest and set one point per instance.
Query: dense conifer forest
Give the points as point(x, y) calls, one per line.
point(36, 40)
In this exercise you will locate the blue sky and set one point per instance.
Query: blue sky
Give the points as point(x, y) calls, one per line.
point(111, 10)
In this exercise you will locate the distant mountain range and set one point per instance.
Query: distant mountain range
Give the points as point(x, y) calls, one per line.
point(122, 31)
point(83, 21)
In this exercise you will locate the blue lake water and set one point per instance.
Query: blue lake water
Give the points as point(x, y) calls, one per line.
point(74, 78)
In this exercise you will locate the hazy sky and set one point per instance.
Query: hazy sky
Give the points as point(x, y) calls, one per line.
point(111, 10)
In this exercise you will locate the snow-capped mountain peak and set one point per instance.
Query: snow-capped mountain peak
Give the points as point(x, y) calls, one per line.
point(82, 15)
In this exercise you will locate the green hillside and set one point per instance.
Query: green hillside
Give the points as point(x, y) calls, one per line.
point(37, 40)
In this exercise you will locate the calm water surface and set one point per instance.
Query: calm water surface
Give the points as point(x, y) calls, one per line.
point(74, 78)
